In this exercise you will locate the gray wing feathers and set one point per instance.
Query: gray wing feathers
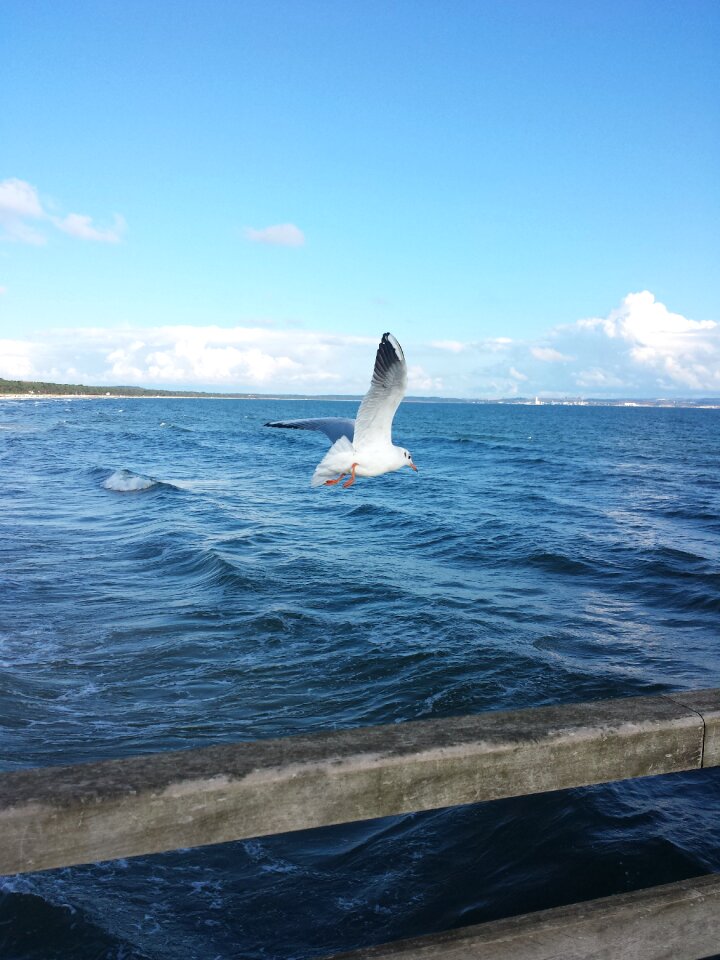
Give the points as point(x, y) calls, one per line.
point(387, 388)
point(332, 427)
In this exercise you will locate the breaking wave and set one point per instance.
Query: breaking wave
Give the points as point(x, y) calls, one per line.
point(125, 481)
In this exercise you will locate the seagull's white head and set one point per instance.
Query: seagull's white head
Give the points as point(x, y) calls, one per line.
point(408, 460)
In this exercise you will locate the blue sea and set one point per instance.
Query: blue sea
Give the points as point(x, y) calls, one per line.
point(168, 579)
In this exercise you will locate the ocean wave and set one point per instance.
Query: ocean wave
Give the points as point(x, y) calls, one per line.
point(695, 511)
point(211, 568)
point(125, 481)
point(176, 426)
point(556, 562)
point(369, 510)
point(384, 513)
point(72, 930)
point(199, 567)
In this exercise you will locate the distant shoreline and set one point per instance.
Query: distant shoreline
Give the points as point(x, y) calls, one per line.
point(118, 396)
point(708, 404)
point(191, 396)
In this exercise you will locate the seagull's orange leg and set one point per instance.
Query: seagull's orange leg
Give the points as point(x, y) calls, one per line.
point(331, 483)
point(351, 481)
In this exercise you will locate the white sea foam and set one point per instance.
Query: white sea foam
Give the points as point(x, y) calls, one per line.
point(125, 481)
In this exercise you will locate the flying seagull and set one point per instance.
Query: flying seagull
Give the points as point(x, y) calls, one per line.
point(363, 447)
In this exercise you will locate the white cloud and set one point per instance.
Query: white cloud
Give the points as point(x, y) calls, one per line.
point(255, 359)
point(16, 359)
point(20, 199)
point(19, 202)
point(642, 319)
point(548, 355)
point(193, 355)
point(639, 349)
point(78, 225)
point(281, 235)
point(488, 344)
point(674, 350)
point(23, 214)
point(191, 360)
point(419, 381)
point(493, 344)
point(596, 378)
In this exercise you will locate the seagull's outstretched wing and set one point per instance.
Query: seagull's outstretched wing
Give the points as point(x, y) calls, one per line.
point(332, 427)
point(387, 388)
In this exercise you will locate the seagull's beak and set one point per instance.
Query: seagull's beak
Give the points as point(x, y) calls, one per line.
point(411, 464)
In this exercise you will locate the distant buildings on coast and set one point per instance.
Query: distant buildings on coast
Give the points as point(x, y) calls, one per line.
point(706, 404)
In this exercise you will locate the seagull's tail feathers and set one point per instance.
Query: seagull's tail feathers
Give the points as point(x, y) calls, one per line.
point(337, 460)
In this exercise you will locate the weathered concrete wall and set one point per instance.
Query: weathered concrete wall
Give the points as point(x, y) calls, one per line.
point(706, 703)
point(678, 921)
point(60, 816)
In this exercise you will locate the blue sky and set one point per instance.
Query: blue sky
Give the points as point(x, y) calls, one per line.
point(245, 195)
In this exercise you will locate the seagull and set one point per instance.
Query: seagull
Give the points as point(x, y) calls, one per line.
point(363, 447)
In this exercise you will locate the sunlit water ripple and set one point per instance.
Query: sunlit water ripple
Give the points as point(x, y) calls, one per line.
point(168, 580)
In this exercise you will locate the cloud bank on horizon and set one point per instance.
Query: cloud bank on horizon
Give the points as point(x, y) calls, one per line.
point(640, 349)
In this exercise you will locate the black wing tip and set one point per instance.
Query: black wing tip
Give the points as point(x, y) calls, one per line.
point(287, 425)
point(390, 341)
point(389, 353)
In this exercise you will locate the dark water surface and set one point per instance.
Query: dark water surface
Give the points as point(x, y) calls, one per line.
point(168, 579)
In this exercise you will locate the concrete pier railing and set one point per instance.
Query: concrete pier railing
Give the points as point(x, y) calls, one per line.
point(59, 816)
point(677, 921)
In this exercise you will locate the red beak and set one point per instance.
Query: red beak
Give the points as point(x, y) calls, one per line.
point(413, 466)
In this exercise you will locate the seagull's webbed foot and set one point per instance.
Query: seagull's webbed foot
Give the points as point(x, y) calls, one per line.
point(331, 483)
point(351, 481)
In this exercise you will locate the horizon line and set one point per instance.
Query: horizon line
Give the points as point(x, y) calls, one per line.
point(26, 389)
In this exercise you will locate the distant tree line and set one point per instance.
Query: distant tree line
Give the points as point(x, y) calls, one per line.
point(70, 389)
